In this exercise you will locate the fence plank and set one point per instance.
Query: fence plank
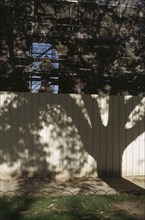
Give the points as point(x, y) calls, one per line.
point(67, 136)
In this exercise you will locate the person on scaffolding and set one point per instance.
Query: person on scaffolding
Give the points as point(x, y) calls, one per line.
point(45, 67)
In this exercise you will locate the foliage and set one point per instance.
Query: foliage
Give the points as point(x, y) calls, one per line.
point(101, 45)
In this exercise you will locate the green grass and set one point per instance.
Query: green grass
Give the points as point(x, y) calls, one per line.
point(75, 207)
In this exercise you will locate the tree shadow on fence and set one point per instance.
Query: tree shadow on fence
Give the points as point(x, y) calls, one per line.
point(49, 136)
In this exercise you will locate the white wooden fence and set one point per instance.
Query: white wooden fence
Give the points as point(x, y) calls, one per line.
point(65, 136)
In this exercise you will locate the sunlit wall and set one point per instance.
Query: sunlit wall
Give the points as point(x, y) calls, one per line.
point(67, 136)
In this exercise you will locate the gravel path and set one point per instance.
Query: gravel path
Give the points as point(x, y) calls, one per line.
point(82, 186)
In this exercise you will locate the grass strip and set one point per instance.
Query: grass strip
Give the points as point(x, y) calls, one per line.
point(76, 207)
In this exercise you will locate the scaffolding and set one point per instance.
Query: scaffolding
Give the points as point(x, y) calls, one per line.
point(91, 41)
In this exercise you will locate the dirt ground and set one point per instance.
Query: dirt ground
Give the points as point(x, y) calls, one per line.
point(129, 210)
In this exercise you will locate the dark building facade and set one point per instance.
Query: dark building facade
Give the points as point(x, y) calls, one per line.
point(73, 46)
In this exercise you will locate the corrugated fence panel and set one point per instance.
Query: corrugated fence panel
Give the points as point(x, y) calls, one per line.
point(133, 159)
point(65, 136)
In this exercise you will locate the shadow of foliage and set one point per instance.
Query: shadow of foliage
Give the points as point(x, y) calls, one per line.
point(42, 137)
point(12, 208)
point(100, 44)
point(71, 207)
